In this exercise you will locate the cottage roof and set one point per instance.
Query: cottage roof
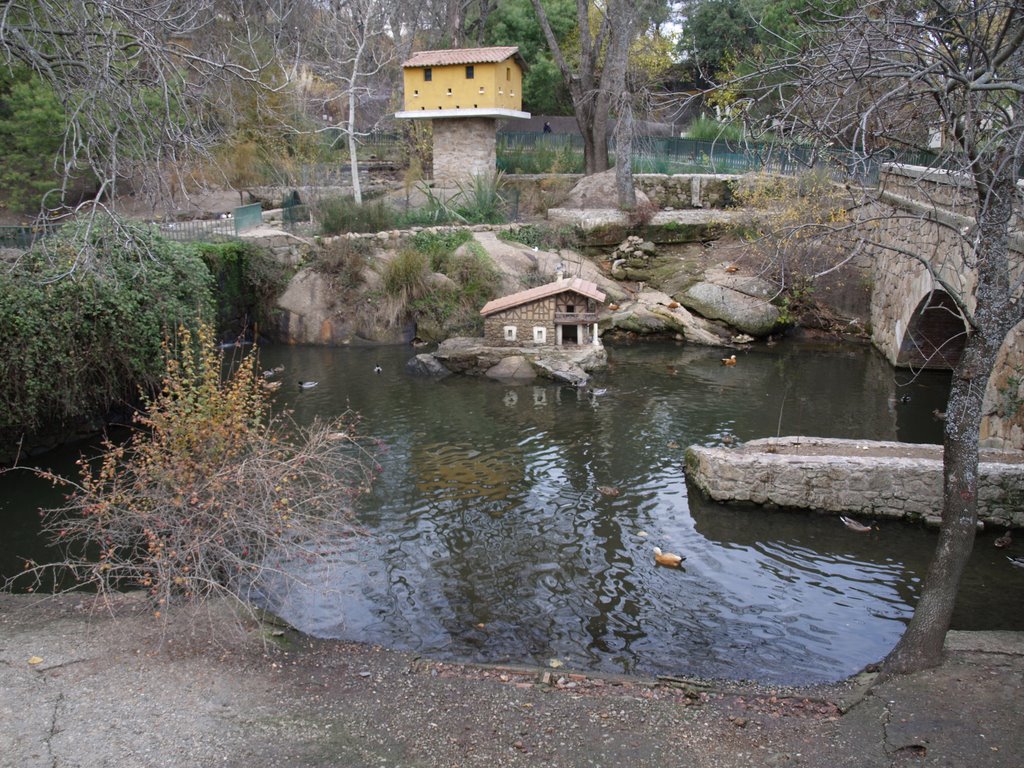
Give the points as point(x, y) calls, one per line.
point(492, 55)
point(576, 284)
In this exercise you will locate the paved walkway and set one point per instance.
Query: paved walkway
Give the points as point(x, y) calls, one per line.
point(81, 688)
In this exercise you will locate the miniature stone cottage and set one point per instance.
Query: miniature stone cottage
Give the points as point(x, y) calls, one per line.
point(562, 312)
point(464, 92)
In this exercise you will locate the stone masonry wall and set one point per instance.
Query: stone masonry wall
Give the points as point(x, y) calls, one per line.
point(525, 318)
point(464, 147)
point(875, 479)
point(924, 212)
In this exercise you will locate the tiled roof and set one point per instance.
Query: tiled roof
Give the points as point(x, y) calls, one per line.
point(464, 56)
point(577, 284)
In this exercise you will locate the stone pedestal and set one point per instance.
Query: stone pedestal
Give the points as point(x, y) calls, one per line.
point(464, 147)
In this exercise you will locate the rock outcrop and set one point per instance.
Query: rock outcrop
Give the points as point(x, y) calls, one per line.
point(473, 357)
point(743, 302)
point(656, 313)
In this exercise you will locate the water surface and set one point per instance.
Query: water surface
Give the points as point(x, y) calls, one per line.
point(490, 540)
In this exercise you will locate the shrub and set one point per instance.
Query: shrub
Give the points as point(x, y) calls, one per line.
point(342, 260)
point(405, 276)
point(438, 244)
point(84, 321)
point(338, 215)
point(210, 497)
point(544, 237)
point(709, 129)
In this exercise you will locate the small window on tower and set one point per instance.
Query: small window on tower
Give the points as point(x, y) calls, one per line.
point(508, 73)
point(469, 72)
point(428, 74)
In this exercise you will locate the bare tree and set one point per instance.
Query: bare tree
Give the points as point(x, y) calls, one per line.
point(135, 78)
point(350, 44)
point(597, 81)
point(882, 77)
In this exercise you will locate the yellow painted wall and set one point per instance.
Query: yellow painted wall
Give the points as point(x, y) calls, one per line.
point(502, 86)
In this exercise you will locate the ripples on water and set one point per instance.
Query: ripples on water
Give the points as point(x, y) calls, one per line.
point(489, 538)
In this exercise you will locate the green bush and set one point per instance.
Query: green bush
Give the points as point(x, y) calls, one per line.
point(84, 321)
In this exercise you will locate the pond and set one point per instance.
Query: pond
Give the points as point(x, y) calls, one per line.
point(491, 539)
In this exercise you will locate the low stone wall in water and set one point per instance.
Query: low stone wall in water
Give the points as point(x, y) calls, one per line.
point(861, 477)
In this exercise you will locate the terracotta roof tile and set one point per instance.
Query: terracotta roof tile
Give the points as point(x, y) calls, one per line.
point(491, 55)
point(577, 284)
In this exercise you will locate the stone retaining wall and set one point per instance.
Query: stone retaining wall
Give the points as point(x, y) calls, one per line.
point(860, 477)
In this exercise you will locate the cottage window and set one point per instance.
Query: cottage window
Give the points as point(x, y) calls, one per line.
point(510, 333)
point(449, 91)
point(540, 334)
point(508, 73)
point(428, 75)
point(469, 72)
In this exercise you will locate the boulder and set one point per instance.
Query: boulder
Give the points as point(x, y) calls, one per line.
point(515, 368)
point(653, 312)
point(597, 191)
point(426, 365)
point(751, 314)
point(473, 357)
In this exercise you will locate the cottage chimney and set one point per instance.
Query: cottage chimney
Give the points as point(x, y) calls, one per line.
point(560, 272)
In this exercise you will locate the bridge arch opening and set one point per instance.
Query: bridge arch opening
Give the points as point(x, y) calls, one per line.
point(936, 334)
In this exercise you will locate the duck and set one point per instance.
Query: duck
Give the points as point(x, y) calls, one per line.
point(608, 490)
point(271, 386)
point(668, 559)
point(853, 525)
point(378, 369)
point(730, 360)
point(1016, 561)
point(1005, 540)
point(307, 384)
point(732, 268)
point(939, 415)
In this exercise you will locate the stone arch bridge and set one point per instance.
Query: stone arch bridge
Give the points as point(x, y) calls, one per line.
point(914, 321)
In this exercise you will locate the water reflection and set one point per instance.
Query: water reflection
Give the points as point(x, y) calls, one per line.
point(490, 540)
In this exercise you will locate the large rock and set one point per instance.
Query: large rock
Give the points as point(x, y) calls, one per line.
point(473, 357)
point(742, 301)
point(426, 365)
point(597, 191)
point(750, 314)
point(515, 368)
point(653, 312)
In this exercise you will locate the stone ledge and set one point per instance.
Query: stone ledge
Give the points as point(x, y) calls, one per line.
point(881, 479)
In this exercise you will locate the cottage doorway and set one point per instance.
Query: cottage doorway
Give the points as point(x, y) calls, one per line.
point(570, 334)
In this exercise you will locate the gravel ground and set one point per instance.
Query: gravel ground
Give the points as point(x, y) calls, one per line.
point(84, 686)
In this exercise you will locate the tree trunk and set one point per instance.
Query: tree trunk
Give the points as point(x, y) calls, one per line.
point(996, 314)
point(624, 188)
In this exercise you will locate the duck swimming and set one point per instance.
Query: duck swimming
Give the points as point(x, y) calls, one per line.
point(730, 360)
point(668, 559)
point(1004, 541)
point(307, 384)
point(853, 525)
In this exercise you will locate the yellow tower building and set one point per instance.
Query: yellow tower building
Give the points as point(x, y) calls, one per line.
point(464, 92)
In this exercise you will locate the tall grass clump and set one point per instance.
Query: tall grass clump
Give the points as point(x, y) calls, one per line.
point(338, 215)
